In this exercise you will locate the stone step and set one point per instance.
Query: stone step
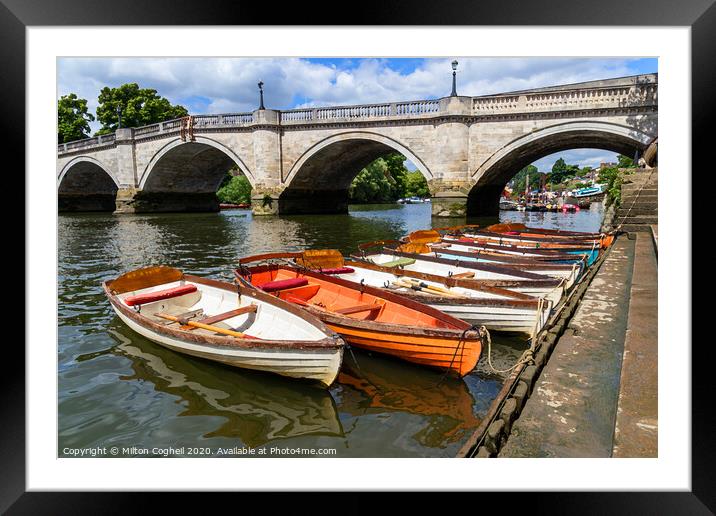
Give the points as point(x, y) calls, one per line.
point(627, 199)
point(639, 206)
point(633, 228)
point(636, 210)
point(633, 189)
point(638, 219)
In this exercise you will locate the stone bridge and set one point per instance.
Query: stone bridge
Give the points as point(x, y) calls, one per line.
point(303, 160)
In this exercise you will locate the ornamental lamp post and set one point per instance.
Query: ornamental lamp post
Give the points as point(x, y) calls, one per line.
point(119, 117)
point(454, 85)
point(261, 93)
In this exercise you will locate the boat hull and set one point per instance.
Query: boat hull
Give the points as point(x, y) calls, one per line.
point(444, 352)
point(240, 327)
point(319, 366)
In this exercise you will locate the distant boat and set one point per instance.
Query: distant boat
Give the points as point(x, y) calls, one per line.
point(508, 205)
point(587, 192)
point(412, 200)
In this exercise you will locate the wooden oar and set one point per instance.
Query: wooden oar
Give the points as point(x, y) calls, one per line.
point(405, 284)
point(433, 287)
point(209, 327)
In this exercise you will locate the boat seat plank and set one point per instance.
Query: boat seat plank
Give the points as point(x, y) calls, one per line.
point(359, 308)
point(306, 292)
point(399, 262)
point(183, 316)
point(223, 316)
point(463, 275)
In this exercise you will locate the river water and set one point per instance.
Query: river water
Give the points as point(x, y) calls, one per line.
point(117, 388)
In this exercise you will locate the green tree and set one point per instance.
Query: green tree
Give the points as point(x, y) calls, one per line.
point(625, 162)
point(372, 184)
point(72, 119)
point(138, 107)
point(385, 180)
point(395, 168)
point(520, 179)
point(234, 189)
point(561, 171)
point(416, 185)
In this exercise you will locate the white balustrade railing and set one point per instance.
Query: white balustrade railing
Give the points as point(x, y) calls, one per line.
point(420, 107)
point(593, 98)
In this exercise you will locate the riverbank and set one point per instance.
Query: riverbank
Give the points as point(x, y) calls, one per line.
point(597, 394)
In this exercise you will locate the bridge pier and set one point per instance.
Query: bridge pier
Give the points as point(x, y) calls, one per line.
point(313, 202)
point(131, 200)
point(75, 202)
point(449, 204)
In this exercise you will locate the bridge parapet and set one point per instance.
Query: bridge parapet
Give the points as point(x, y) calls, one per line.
point(96, 142)
point(606, 97)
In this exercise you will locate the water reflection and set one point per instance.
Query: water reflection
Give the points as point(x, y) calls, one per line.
point(256, 408)
point(383, 385)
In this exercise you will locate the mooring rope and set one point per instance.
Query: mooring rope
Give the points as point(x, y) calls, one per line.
point(528, 355)
point(461, 345)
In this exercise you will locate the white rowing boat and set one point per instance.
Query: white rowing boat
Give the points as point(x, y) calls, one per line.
point(550, 284)
point(225, 323)
point(497, 309)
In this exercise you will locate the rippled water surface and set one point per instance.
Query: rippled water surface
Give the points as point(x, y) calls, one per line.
point(117, 388)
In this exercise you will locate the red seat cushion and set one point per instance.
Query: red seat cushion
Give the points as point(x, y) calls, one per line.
point(149, 297)
point(337, 270)
point(273, 286)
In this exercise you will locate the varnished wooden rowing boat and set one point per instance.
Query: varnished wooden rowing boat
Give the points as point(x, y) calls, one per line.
point(430, 240)
point(446, 262)
point(478, 302)
point(219, 321)
point(370, 318)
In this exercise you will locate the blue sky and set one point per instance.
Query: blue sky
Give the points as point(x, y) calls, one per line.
point(225, 85)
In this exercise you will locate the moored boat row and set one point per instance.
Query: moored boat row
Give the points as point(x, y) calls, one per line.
point(429, 299)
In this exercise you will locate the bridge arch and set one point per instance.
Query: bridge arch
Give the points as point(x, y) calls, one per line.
point(86, 184)
point(185, 175)
point(491, 176)
point(184, 166)
point(318, 181)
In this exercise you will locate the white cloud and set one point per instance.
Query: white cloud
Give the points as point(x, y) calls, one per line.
point(222, 85)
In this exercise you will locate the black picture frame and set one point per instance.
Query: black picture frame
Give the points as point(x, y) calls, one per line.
point(700, 15)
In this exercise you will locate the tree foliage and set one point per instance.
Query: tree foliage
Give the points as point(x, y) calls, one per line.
point(561, 171)
point(387, 180)
point(416, 185)
point(139, 106)
point(72, 118)
point(625, 162)
point(234, 189)
point(520, 179)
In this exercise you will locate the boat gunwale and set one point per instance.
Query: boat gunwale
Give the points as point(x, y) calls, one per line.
point(505, 260)
point(550, 244)
point(548, 237)
point(534, 279)
point(538, 258)
point(332, 341)
point(551, 252)
point(582, 241)
point(480, 285)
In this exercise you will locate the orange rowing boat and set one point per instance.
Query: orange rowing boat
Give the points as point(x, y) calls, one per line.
point(370, 318)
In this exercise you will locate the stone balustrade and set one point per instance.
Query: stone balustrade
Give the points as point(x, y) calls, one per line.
point(565, 100)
